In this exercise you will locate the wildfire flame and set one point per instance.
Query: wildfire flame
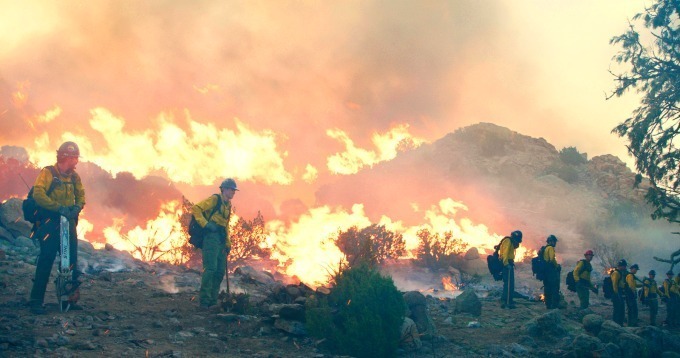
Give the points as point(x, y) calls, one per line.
point(448, 284)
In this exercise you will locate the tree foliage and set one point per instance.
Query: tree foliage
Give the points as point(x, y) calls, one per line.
point(438, 251)
point(248, 240)
point(571, 156)
point(361, 317)
point(654, 72)
point(371, 245)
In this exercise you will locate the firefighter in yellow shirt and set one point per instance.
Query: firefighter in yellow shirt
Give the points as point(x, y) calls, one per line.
point(66, 198)
point(582, 279)
point(650, 296)
point(670, 296)
point(619, 287)
point(551, 283)
point(506, 253)
point(631, 295)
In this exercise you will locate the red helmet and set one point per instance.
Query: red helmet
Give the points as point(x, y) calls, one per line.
point(589, 252)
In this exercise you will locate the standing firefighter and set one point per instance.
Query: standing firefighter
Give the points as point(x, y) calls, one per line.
point(216, 243)
point(582, 278)
point(507, 255)
point(67, 199)
point(551, 283)
point(631, 295)
point(650, 296)
point(619, 286)
point(670, 297)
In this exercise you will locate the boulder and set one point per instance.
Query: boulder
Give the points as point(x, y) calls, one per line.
point(586, 346)
point(632, 346)
point(468, 302)
point(592, 323)
point(547, 325)
point(417, 309)
point(12, 218)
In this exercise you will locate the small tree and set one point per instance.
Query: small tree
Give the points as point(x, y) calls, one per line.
point(571, 156)
point(361, 317)
point(436, 252)
point(608, 254)
point(248, 240)
point(654, 71)
point(371, 245)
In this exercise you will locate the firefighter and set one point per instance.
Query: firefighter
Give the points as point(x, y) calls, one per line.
point(582, 279)
point(216, 243)
point(506, 253)
point(551, 283)
point(650, 296)
point(631, 295)
point(619, 286)
point(670, 297)
point(67, 198)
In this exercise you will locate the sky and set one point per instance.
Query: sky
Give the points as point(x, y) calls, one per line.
point(285, 96)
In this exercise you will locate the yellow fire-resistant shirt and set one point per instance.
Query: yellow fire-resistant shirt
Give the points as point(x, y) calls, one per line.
point(549, 256)
point(202, 210)
point(582, 271)
point(630, 281)
point(650, 289)
point(507, 251)
point(618, 282)
point(69, 191)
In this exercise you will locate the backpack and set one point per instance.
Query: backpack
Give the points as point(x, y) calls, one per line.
point(571, 283)
point(538, 265)
point(608, 287)
point(495, 264)
point(196, 232)
point(32, 211)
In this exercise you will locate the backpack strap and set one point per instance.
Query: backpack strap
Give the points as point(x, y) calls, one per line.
point(55, 179)
point(216, 207)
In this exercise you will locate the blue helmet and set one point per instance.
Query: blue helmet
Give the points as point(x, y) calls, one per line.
point(229, 183)
point(516, 236)
point(551, 238)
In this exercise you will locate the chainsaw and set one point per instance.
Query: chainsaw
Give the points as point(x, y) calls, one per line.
point(66, 287)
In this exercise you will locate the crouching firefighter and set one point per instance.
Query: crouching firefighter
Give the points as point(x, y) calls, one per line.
point(506, 253)
point(66, 199)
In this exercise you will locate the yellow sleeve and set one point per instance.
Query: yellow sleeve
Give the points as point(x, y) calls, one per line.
point(630, 280)
point(80, 191)
point(646, 287)
point(506, 251)
point(616, 276)
point(666, 289)
point(577, 271)
point(40, 188)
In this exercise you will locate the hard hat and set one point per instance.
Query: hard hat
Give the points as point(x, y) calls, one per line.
point(228, 183)
point(653, 273)
point(68, 149)
point(635, 266)
point(589, 252)
point(552, 238)
point(516, 235)
point(622, 263)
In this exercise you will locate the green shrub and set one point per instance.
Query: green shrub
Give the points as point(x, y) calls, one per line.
point(571, 156)
point(361, 317)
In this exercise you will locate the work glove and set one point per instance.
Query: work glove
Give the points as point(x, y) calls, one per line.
point(74, 211)
point(212, 227)
point(64, 211)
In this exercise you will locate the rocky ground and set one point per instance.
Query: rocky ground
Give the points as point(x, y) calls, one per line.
point(138, 309)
